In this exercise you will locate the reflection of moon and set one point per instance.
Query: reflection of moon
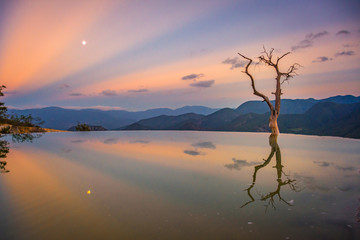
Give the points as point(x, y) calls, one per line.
point(83, 42)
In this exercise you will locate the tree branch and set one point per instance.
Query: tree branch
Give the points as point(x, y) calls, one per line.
point(257, 93)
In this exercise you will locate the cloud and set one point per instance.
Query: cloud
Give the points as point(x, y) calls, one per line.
point(192, 76)
point(322, 59)
point(343, 32)
point(64, 86)
point(209, 145)
point(309, 40)
point(140, 141)
point(345, 53)
point(350, 45)
point(109, 93)
point(203, 84)
point(234, 62)
point(192, 152)
point(76, 94)
point(141, 90)
point(239, 164)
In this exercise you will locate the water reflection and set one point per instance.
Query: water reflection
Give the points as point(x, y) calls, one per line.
point(17, 138)
point(269, 198)
point(4, 150)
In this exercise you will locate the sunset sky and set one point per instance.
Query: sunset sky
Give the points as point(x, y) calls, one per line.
point(138, 54)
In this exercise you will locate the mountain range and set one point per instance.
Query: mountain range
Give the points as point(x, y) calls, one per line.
point(335, 116)
point(323, 118)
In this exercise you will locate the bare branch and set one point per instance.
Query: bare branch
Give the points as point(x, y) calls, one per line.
point(279, 58)
point(257, 93)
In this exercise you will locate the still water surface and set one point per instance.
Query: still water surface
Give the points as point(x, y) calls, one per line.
point(180, 185)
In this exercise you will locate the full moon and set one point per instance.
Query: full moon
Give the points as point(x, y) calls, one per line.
point(83, 42)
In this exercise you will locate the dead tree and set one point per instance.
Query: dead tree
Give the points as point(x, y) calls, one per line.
point(281, 77)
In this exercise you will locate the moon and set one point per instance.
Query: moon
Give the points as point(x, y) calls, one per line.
point(83, 42)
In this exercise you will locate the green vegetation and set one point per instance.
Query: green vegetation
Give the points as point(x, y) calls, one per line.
point(82, 127)
point(15, 123)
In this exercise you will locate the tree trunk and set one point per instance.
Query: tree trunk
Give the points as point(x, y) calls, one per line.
point(273, 123)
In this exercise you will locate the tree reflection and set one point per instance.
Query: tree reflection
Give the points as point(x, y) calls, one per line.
point(269, 198)
point(17, 138)
point(4, 150)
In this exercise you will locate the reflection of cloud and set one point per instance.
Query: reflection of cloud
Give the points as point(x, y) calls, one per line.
point(322, 163)
point(345, 53)
point(109, 92)
point(192, 76)
point(310, 183)
point(111, 140)
point(234, 62)
point(140, 141)
point(141, 90)
point(203, 84)
point(322, 59)
point(343, 32)
point(76, 94)
point(78, 141)
point(63, 86)
point(192, 152)
point(350, 45)
point(66, 150)
point(309, 40)
point(239, 164)
point(344, 168)
point(209, 145)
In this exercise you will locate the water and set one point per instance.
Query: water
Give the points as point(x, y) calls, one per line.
point(180, 185)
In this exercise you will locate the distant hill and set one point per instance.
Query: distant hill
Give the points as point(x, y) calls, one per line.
point(323, 118)
point(297, 106)
point(60, 118)
point(164, 122)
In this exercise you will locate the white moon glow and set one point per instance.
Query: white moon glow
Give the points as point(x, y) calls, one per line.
point(83, 42)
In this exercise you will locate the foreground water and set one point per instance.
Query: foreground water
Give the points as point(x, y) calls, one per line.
point(180, 185)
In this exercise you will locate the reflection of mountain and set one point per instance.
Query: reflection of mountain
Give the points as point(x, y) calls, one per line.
point(323, 118)
point(275, 150)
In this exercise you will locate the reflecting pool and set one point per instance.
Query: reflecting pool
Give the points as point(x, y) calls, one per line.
point(179, 185)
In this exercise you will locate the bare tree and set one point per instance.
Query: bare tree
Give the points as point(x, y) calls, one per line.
point(281, 77)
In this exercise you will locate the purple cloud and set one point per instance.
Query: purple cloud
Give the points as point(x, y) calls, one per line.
point(192, 76)
point(234, 62)
point(141, 90)
point(322, 59)
point(343, 32)
point(203, 84)
point(309, 40)
point(76, 94)
point(109, 93)
point(345, 53)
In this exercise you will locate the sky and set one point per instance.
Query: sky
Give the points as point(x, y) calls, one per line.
point(142, 54)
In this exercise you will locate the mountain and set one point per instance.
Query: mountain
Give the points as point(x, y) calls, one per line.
point(250, 116)
point(323, 118)
point(164, 122)
point(297, 106)
point(60, 118)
